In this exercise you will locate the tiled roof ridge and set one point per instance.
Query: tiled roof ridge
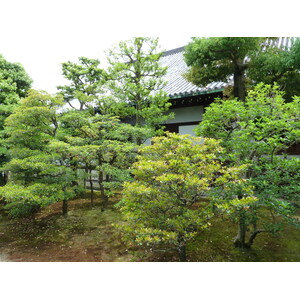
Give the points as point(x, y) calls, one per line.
point(173, 51)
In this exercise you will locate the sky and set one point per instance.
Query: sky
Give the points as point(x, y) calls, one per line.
point(42, 34)
point(44, 65)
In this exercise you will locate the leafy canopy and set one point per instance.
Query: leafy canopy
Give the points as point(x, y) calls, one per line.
point(37, 177)
point(86, 82)
point(262, 125)
point(215, 59)
point(246, 61)
point(136, 81)
point(255, 132)
point(14, 84)
point(165, 202)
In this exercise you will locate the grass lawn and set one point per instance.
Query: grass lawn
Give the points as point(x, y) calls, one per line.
point(88, 235)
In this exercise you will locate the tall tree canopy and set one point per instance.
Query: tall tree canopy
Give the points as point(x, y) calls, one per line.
point(13, 79)
point(256, 58)
point(278, 64)
point(86, 80)
point(136, 80)
point(254, 132)
point(14, 84)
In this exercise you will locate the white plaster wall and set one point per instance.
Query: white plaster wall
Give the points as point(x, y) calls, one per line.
point(186, 114)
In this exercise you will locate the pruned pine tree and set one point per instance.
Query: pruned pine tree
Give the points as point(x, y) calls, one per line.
point(93, 139)
point(102, 147)
point(37, 175)
point(136, 82)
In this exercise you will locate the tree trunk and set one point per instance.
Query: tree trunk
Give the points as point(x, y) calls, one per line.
point(138, 120)
point(240, 239)
point(92, 189)
point(181, 249)
point(182, 253)
point(85, 180)
point(253, 236)
point(239, 88)
point(2, 179)
point(5, 177)
point(65, 208)
point(102, 190)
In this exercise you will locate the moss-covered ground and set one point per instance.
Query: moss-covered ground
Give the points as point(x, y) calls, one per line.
point(88, 234)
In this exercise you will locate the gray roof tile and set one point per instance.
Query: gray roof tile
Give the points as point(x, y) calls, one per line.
point(177, 85)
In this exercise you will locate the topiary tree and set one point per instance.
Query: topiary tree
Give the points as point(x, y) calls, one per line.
point(165, 202)
point(101, 146)
point(37, 175)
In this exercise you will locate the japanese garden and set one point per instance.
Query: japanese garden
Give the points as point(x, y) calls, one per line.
point(185, 155)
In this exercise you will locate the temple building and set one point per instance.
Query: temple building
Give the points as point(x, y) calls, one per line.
point(188, 100)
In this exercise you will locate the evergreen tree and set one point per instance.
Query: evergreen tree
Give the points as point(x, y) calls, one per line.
point(37, 176)
point(136, 81)
point(86, 82)
point(245, 60)
point(14, 84)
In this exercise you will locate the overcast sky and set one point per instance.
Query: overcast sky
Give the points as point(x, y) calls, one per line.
point(43, 64)
point(42, 34)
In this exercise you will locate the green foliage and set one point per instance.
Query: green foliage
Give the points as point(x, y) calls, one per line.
point(14, 84)
point(277, 185)
point(99, 144)
point(86, 82)
point(254, 132)
point(136, 81)
point(246, 60)
point(165, 202)
point(262, 125)
point(24, 201)
point(34, 122)
point(14, 81)
point(220, 59)
point(279, 65)
point(214, 59)
point(34, 168)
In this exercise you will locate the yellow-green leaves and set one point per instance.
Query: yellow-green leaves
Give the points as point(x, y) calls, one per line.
point(168, 200)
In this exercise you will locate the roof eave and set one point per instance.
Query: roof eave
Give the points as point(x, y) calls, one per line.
point(183, 95)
